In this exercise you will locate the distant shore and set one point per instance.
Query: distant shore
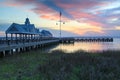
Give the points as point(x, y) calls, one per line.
point(58, 65)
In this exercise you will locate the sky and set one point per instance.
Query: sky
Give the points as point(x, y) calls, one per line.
point(81, 17)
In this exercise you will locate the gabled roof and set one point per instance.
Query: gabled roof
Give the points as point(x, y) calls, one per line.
point(16, 28)
point(46, 33)
point(26, 28)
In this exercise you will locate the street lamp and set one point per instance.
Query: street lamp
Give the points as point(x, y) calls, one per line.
point(60, 23)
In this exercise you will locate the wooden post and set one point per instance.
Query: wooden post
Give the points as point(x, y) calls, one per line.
point(6, 36)
point(25, 37)
point(7, 39)
point(31, 36)
point(20, 37)
point(28, 37)
point(39, 37)
point(11, 38)
point(16, 38)
point(34, 36)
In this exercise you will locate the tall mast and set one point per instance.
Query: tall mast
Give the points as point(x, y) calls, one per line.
point(60, 23)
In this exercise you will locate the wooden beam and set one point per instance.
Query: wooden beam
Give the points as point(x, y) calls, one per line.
point(11, 36)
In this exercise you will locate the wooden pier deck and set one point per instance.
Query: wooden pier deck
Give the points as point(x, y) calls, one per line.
point(86, 39)
point(8, 47)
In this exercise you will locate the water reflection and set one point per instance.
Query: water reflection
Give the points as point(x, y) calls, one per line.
point(90, 46)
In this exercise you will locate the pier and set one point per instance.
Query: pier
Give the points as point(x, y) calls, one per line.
point(16, 46)
point(13, 47)
point(85, 39)
point(25, 37)
point(94, 39)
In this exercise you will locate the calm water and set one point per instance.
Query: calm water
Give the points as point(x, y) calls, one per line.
point(89, 46)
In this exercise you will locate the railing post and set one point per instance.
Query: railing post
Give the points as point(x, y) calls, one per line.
point(16, 39)
point(7, 39)
point(11, 37)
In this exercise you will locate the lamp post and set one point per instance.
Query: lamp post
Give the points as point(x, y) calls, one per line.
point(60, 22)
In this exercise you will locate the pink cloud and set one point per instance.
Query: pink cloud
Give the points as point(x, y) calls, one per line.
point(78, 15)
point(94, 23)
point(82, 4)
point(18, 3)
point(76, 8)
point(45, 12)
point(12, 4)
point(83, 31)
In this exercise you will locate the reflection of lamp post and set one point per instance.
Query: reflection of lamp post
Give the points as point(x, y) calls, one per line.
point(60, 24)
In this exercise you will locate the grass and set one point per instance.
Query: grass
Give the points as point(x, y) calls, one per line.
point(58, 65)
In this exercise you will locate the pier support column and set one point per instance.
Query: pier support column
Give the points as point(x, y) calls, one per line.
point(21, 49)
point(17, 50)
point(24, 49)
point(4, 53)
point(39, 46)
point(30, 48)
point(11, 52)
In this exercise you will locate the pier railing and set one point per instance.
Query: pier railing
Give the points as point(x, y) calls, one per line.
point(86, 39)
point(19, 45)
point(19, 41)
point(9, 45)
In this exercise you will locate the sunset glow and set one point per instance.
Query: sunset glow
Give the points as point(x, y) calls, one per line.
point(81, 17)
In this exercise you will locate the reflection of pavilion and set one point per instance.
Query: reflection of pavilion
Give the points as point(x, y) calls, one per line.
point(26, 31)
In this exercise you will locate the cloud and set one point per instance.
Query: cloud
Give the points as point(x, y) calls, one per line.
point(98, 15)
point(50, 4)
point(117, 27)
point(56, 33)
point(54, 5)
